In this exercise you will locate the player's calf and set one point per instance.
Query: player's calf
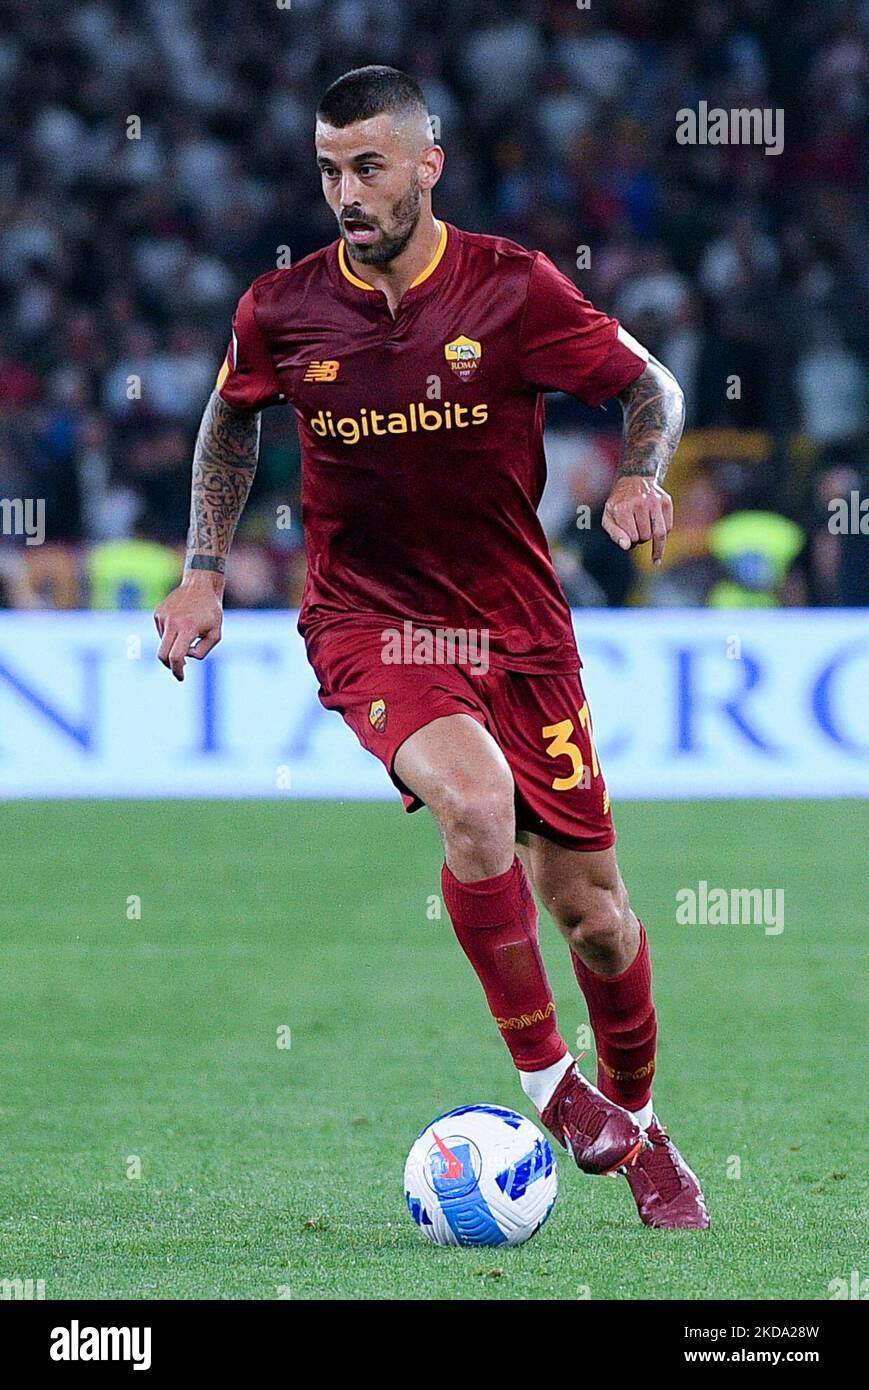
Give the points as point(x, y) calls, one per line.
point(612, 964)
point(596, 920)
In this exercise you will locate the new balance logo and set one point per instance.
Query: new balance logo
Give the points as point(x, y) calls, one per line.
point(322, 371)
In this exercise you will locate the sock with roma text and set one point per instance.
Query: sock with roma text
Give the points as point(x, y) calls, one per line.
point(495, 921)
point(622, 1016)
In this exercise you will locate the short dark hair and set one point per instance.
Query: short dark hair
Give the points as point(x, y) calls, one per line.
point(366, 92)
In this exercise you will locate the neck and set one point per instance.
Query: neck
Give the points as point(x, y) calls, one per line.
point(397, 276)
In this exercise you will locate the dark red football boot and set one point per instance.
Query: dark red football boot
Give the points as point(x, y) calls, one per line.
point(668, 1195)
point(599, 1135)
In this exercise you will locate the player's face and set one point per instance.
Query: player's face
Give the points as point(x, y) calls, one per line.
point(375, 174)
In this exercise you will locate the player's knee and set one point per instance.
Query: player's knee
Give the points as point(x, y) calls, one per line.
point(595, 921)
point(478, 814)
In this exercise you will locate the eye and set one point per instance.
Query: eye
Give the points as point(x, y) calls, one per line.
point(328, 171)
point(367, 170)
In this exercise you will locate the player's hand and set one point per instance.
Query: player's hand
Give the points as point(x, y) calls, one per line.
point(189, 621)
point(637, 510)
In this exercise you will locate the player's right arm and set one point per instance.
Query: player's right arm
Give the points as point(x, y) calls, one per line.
point(189, 621)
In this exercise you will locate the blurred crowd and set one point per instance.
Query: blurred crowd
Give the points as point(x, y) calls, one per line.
point(156, 155)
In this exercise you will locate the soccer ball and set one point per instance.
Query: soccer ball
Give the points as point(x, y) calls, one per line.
point(480, 1175)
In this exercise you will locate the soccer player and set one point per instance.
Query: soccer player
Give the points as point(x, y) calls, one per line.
point(415, 356)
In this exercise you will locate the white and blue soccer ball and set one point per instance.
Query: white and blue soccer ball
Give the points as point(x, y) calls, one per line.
point(480, 1175)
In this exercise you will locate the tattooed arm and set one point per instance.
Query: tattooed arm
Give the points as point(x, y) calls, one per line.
point(224, 462)
point(638, 509)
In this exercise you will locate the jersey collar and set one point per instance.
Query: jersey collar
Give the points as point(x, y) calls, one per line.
point(424, 275)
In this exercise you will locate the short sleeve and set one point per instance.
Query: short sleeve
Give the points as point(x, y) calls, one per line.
point(568, 345)
point(247, 379)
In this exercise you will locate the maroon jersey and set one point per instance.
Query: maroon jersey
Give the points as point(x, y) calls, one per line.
point(422, 434)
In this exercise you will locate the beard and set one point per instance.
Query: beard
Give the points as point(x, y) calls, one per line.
point(404, 215)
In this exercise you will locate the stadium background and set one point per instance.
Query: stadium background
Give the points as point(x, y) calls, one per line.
point(123, 258)
point(160, 1143)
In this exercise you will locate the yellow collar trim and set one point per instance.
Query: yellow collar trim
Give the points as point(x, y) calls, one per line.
point(429, 270)
point(348, 273)
point(435, 260)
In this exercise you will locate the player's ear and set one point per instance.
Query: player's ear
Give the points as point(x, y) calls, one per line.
point(431, 166)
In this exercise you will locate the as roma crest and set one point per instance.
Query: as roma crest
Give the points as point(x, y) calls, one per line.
point(377, 715)
point(463, 355)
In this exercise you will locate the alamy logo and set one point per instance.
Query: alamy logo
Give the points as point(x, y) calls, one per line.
point(849, 516)
point(23, 516)
point(438, 646)
point(741, 125)
point(77, 1343)
point(12, 1289)
point(738, 907)
point(852, 1287)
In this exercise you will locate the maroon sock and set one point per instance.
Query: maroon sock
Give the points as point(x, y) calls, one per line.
point(625, 1028)
point(496, 923)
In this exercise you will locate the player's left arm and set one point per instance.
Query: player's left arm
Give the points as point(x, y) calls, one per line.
point(638, 509)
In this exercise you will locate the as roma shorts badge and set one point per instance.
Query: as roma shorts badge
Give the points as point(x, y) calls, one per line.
point(377, 715)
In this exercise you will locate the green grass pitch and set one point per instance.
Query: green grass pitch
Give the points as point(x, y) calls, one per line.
point(150, 1044)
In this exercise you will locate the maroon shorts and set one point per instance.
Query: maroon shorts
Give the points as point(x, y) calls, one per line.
point(540, 722)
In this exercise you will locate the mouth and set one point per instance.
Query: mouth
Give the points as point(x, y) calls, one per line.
point(358, 231)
